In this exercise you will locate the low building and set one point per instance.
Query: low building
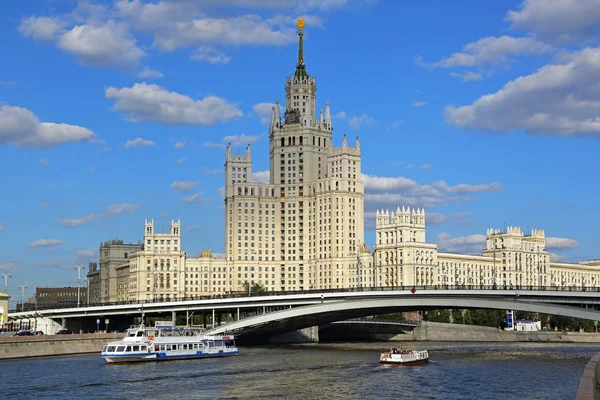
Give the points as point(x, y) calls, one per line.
point(64, 297)
point(93, 279)
point(3, 309)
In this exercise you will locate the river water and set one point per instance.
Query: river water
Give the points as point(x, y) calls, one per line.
point(316, 371)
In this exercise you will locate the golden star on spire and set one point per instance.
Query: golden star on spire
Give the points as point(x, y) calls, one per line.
point(300, 23)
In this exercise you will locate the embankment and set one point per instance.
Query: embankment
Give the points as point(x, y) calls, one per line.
point(53, 345)
point(436, 331)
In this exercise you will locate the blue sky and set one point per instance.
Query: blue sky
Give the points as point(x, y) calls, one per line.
point(113, 112)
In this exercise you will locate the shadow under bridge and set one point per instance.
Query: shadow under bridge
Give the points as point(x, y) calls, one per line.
point(292, 319)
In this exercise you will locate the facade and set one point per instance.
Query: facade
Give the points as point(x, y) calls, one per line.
point(304, 229)
point(48, 298)
point(157, 270)
point(510, 259)
point(3, 309)
point(93, 281)
point(113, 253)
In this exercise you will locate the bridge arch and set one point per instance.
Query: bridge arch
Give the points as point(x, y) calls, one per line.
point(302, 317)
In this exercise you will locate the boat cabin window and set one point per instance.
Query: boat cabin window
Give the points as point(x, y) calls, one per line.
point(140, 334)
point(120, 348)
point(111, 349)
point(104, 349)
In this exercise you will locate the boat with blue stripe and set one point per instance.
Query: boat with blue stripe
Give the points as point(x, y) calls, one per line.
point(167, 343)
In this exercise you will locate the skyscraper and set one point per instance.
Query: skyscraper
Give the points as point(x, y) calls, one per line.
point(305, 228)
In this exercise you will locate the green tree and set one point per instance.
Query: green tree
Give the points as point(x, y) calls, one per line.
point(255, 289)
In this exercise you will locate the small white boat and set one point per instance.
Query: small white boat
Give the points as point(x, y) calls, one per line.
point(166, 343)
point(397, 356)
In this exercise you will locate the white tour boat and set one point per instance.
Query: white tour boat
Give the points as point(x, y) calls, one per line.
point(397, 356)
point(167, 343)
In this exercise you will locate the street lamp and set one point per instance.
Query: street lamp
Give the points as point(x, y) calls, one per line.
point(78, 268)
point(6, 276)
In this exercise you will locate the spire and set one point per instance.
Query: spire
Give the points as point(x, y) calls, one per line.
point(300, 67)
point(248, 154)
point(357, 146)
point(321, 116)
point(228, 156)
point(344, 143)
point(300, 24)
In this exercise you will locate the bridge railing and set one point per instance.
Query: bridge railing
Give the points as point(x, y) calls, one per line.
point(232, 295)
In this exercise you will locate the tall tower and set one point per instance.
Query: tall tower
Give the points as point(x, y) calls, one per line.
point(305, 227)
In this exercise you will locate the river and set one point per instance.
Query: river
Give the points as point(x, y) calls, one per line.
point(314, 371)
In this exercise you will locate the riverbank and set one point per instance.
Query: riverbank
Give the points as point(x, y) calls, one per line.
point(439, 332)
point(53, 345)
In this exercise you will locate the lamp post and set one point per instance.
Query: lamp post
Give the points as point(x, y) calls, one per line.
point(6, 276)
point(87, 283)
point(78, 268)
point(22, 287)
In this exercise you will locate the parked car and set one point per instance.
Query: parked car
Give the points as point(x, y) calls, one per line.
point(64, 332)
point(24, 332)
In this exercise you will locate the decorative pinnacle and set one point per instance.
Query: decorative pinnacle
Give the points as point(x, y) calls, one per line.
point(300, 24)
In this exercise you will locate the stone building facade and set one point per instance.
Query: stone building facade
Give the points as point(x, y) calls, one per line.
point(304, 230)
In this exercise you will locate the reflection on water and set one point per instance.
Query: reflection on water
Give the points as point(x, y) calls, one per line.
point(331, 371)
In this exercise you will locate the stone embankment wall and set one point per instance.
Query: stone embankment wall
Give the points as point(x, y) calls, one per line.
point(436, 331)
point(53, 345)
point(589, 380)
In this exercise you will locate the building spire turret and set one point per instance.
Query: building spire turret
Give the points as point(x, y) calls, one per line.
point(300, 24)
point(300, 67)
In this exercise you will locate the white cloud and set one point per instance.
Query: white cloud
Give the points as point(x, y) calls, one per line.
point(210, 54)
point(179, 145)
point(20, 127)
point(434, 218)
point(491, 50)
point(340, 115)
point(418, 103)
point(558, 257)
point(557, 100)
point(45, 205)
point(397, 124)
point(461, 214)
point(261, 177)
point(211, 171)
point(107, 45)
point(41, 28)
point(558, 21)
point(144, 102)
point(44, 161)
point(234, 141)
point(139, 142)
point(195, 198)
point(470, 244)
point(7, 266)
point(264, 111)
point(191, 228)
point(92, 169)
point(87, 252)
point(467, 76)
point(72, 222)
point(356, 122)
point(464, 188)
point(426, 166)
point(148, 73)
point(181, 160)
point(221, 192)
point(241, 140)
point(239, 30)
point(398, 163)
point(397, 191)
point(557, 243)
point(184, 186)
point(116, 209)
point(164, 215)
point(45, 243)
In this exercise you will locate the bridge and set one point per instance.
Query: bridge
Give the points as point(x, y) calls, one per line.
point(273, 313)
